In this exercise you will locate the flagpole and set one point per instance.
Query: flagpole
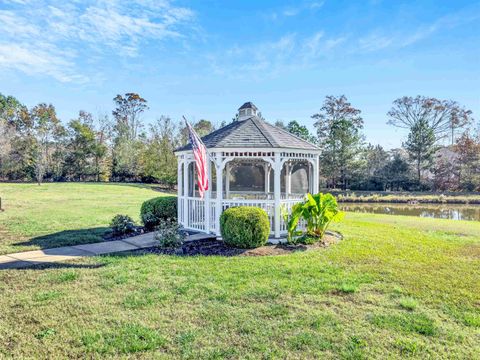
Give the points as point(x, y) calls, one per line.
point(206, 149)
point(207, 193)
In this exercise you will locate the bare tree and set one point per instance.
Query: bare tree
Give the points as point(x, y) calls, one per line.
point(444, 117)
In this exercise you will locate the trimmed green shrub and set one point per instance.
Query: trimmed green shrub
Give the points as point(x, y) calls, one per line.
point(157, 209)
point(122, 224)
point(245, 227)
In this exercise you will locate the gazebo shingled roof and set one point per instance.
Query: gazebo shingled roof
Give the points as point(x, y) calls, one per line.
point(252, 133)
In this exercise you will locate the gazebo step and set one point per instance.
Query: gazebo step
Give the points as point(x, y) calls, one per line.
point(200, 236)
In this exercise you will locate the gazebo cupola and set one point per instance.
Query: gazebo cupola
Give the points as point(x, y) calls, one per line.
point(246, 110)
point(252, 163)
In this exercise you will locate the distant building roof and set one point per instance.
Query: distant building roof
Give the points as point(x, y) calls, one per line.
point(252, 133)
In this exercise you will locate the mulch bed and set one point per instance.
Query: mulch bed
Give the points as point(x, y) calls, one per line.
point(207, 247)
point(139, 230)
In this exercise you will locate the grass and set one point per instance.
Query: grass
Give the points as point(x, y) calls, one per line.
point(408, 303)
point(395, 287)
point(61, 214)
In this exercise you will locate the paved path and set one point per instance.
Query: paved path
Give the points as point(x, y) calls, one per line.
point(29, 258)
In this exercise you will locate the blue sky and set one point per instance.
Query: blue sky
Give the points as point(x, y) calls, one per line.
point(205, 58)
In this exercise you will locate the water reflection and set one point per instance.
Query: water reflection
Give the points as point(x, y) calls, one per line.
point(452, 211)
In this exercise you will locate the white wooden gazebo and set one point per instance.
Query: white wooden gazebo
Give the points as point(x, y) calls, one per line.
point(253, 163)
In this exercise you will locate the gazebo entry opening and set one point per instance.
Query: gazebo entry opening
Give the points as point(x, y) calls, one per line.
point(243, 171)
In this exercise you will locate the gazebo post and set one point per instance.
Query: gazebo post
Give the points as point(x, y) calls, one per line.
point(267, 178)
point(288, 180)
point(315, 175)
point(310, 177)
point(207, 197)
point(277, 193)
point(219, 172)
point(179, 190)
point(186, 183)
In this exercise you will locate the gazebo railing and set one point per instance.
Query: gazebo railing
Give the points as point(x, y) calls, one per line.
point(287, 205)
point(267, 205)
point(195, 218)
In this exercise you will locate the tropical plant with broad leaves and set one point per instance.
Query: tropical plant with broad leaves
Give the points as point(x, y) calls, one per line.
point(317, 211)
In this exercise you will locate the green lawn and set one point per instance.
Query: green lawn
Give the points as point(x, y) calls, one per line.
point(394, 287)
point(53, 215)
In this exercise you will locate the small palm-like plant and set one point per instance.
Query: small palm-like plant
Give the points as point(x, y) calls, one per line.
point(318, 211)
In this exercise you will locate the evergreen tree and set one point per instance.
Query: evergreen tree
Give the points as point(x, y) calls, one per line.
point(338, 128)
point(420, 146)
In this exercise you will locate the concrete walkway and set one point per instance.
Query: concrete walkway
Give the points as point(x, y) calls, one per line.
point(45, 256)
point(29, 258)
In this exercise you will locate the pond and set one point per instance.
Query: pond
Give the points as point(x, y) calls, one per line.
point(444, 211)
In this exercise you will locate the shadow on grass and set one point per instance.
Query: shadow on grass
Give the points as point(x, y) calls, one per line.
point(67, 238)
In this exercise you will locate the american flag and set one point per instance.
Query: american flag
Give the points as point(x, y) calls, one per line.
point(201, 158)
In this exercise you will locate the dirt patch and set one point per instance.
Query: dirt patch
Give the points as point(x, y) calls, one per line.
point(209, 247)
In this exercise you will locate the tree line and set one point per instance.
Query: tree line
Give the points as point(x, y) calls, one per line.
point(422, 163)
point(36, 146)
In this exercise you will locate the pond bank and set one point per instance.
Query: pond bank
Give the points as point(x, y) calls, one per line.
point(438, 211)
point(406, 198)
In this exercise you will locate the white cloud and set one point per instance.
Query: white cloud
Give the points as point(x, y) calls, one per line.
point(104, 26)
point(38, 61)
point(296, 10)
point(379, 40)
point(270, 59)
point(374, 42)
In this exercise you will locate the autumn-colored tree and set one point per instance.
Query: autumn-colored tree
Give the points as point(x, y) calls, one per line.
point(468, 162)
point(445, 171)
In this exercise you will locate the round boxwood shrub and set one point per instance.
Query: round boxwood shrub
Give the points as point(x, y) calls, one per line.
point(245, 227)
point(157, 209)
